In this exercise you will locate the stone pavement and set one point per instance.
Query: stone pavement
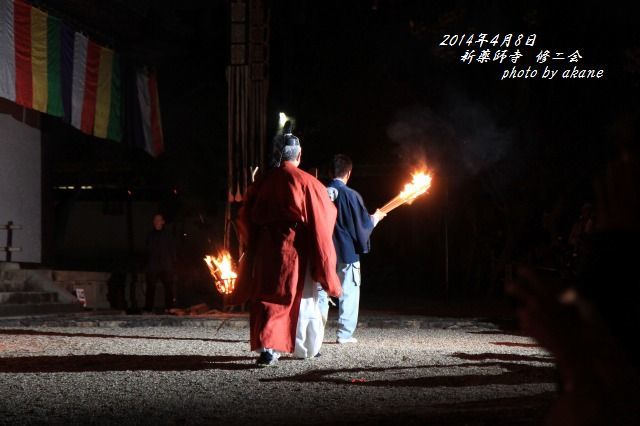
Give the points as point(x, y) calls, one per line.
point(110, 369)
point(226, 320)
point(434, 314)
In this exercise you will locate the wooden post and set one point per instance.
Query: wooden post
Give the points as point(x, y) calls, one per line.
point(9, 240)
point(247, 100)
point(130, 249)
point(247, 85)
point(9, 249)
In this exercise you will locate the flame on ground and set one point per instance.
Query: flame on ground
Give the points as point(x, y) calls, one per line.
point(221, 269)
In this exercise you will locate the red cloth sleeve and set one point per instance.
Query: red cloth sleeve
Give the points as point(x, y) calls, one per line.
point(245, 287)
point(321, 218)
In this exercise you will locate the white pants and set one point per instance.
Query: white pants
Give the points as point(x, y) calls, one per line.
point(310, 330)
point(349, 274)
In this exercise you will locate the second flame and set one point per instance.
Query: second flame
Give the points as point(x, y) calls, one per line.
point(221, 269)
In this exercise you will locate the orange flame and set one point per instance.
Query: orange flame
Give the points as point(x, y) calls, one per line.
point(221, 269)
point(420, 184)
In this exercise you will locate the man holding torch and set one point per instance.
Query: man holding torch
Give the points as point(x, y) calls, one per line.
point(351, 239)
point(286, 226)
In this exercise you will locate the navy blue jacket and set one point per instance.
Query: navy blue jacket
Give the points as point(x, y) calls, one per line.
point(353, 225)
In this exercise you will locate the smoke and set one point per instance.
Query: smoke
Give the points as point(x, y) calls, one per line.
point(417, 133)
point(462, 133)
point(481, 141)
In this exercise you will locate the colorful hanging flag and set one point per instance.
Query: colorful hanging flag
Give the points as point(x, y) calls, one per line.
point(147, 87)
point(7, 51)
point(47, 67)
point(30, 57)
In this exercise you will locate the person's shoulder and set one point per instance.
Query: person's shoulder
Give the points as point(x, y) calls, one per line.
point(314, 183)
point(265, 181)
point(268, 175)
point(343, 190)
point(350, 192)
point(307, 178)
point(291, 174)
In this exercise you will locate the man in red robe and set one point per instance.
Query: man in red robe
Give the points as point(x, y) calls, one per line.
point(286, 226)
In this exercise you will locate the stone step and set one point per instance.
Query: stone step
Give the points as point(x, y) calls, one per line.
point(9, 266)
point(80, 276)
point(27, 297)
point(13, 286)
point(14, 275)
point(15, 309)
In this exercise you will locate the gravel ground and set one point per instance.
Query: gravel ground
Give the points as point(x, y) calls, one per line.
point(465, 374)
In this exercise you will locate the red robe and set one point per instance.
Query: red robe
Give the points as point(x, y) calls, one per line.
point(286, 226)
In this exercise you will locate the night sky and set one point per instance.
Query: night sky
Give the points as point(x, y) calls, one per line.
point(513, 160)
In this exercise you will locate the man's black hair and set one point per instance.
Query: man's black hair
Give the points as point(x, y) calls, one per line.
point(341, 165)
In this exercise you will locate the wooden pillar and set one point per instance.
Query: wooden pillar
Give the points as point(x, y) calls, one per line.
point(248, 85)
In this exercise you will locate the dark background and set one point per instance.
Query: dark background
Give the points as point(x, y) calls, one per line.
point(513, 161)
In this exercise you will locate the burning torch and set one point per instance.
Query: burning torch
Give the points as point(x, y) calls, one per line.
point(420, 184)
point(221, 269)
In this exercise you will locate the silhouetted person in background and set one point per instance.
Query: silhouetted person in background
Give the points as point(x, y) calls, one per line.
point(161, 258)
point(590, 326)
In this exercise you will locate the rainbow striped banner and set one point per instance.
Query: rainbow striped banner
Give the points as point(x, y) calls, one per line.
point(150, 120)
point(46, 66)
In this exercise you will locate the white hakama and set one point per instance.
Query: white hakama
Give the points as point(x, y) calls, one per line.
point(310, 330)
